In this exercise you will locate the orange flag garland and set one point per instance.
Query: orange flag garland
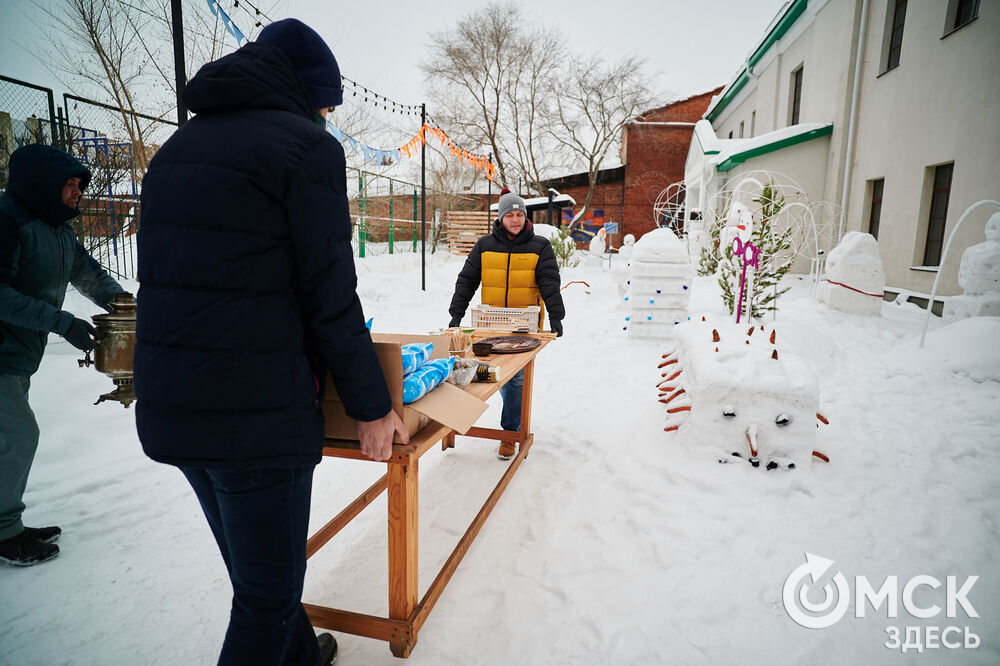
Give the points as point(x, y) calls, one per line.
point(479, 162)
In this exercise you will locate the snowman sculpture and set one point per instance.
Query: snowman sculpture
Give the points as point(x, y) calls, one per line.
point(979, 276)
point(622, 265)
point(854, 279)
point(658, 285)
point(729, 392)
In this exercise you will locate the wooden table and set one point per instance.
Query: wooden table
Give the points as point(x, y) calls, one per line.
point(407, 613)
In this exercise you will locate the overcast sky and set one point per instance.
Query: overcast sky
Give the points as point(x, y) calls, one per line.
point(691, 45)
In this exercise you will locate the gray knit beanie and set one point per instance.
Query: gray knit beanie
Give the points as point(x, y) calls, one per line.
point(508, 202)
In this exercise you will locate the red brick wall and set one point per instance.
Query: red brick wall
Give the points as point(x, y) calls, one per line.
point(655, 157)
point(607, 197)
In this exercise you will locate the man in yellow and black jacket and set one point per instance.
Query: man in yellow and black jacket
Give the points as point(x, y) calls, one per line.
point(517, 269)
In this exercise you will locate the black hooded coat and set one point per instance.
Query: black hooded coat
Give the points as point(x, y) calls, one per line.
point(247, 283)
point(40, 255)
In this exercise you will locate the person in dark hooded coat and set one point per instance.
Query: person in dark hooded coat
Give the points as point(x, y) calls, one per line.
point(247, 298)
point(39, 256)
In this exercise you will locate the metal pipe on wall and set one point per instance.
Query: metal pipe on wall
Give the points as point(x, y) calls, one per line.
point(855, 92)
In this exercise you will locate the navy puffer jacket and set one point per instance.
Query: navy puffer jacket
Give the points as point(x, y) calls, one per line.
point(247, 281)
point(40, 255)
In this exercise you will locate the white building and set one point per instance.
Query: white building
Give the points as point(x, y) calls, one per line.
point(887, 108)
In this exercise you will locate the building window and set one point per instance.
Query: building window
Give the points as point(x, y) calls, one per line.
point(960, 12)
point(895, 35)
point(741, 129)
point(938, 214)
point(796, 95)
point(875, 211)
point(730, 134)
point(753, 123)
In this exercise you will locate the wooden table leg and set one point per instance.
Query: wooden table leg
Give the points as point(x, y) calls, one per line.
point(448, 442)
point(529, 377)
point(402, 548)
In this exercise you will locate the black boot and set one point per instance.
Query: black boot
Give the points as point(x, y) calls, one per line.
point(43, 534)
point(327, 649)
point(23, 551)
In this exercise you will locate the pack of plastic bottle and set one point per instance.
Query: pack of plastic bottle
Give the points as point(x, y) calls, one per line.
point(417, 383)
point(415, 354)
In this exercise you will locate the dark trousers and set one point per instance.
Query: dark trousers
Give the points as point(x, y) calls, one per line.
point(510, 394)
point(260, 520)
point(18, 442)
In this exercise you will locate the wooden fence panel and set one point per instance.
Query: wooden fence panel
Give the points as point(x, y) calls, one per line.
point(464, 228)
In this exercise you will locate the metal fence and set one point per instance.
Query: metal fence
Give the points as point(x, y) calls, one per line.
point(27, 115)
point(386, 213)
point(117, 146)
point(113, 144)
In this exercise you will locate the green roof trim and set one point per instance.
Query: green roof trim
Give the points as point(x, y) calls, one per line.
point(706, 152)
point(793, 13)
point(784, 24)
point(739, 158)
point(733, 91)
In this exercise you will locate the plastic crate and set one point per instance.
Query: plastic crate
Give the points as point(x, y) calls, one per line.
point(506, 319)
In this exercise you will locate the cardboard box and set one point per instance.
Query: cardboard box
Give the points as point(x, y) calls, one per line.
point(446, 404)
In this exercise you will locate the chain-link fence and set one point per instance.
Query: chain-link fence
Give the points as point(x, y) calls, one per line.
point(117, 145)
point(27, 115)
point(387, 211)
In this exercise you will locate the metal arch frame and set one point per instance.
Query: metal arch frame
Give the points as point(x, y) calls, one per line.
point(944, 256)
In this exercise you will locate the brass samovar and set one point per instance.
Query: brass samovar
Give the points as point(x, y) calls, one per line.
point(116, 345)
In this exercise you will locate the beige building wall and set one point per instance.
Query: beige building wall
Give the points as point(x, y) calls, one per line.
point(940, 105)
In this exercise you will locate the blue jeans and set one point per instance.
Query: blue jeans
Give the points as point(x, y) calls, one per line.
point(510, 393)
point(260, 520)
point(18, 442)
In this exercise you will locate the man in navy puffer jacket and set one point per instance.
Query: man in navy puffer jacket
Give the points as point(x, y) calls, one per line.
point(247, 297)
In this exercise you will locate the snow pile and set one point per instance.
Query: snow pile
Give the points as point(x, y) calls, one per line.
point(855, 279)
point(966, 347)
point(546, 231)
point(733, 392)
point(606, 519)
point(979, 275)
point(658, 285)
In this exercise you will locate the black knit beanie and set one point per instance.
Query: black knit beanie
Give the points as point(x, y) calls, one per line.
point(311, 57)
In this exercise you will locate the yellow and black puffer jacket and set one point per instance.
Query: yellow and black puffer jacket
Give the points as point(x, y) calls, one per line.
point(515, 273)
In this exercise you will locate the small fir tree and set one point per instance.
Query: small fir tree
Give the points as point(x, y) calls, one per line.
point(564, 247)
point(774, 261)
point(708, 263)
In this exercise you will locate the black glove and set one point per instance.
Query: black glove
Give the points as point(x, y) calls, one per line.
point(455, 322)
point(81, 335)
point(556, 326)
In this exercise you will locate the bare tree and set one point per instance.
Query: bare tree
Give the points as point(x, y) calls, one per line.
point(101, 44)
point(472, 62)
point(594, 102)
point(122, 51)
point(531, 87)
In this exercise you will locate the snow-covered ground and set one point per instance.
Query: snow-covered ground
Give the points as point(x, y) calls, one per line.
point(614, 544)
